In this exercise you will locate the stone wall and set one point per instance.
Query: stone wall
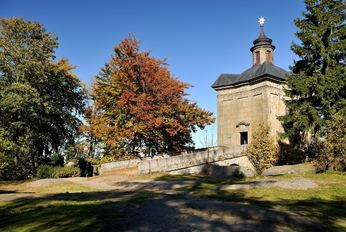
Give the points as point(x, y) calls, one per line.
point(119, 165)
point(242, 161)
point(239, 109)
point(192, 162)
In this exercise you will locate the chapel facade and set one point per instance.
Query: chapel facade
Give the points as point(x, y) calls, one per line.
point(254, 96)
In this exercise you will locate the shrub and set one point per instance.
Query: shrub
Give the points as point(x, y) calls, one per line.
point(331, 152)
point(7, 167)
point(64, 172)
point(47, 171)
point(90, 166)
point(85, 167)
point(263, 149)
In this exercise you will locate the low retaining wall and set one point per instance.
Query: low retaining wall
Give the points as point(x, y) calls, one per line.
point(131, 163)
point(189, 160)
point(242, 161)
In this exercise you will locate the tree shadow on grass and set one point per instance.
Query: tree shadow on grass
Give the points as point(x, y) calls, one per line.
point(142, 211)
point(7, 191)
point(149, 210)
point(313, 214)
point(319, 214)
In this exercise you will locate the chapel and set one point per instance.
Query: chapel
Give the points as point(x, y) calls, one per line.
point(251, 97)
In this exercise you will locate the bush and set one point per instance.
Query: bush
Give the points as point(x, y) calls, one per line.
point(263, 149)
point(63, 172)
point(331, 152)
point(85, 167)
point(7, 167)
point(90, 166)
point(47, 171)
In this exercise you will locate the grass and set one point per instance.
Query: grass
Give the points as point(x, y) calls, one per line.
point(71, 207)
point(53, 215)
point(327, 203)
point(24, 187)
point(62, 188)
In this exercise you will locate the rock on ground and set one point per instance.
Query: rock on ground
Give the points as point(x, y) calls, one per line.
point(225, 172)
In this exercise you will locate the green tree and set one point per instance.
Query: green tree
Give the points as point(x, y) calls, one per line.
point(40, 98)
point(139, 107)
point(317, 86)
point(332, 147)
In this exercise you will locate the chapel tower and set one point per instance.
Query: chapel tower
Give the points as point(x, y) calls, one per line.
point(254, 96)
point(262, 51)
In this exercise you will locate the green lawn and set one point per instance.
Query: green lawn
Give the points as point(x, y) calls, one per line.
point(326, 203)
point(71, 207)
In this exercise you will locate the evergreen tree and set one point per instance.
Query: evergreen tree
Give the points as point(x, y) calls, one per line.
point(40, 98)
point(139, 107)
point(317, 86)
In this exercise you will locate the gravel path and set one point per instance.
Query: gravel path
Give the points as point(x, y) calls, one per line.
point(130, 181)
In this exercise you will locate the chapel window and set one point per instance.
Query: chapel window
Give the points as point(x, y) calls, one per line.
point(243, 138)
point(257, 57)
point(269, 56)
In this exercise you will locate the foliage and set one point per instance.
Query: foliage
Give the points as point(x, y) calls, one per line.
point(7, 165)
point(140, 108)
point(289, 154)
point(76, 149)
point(40, 98)
point(47, 171)
point(331, 154)
point(90, 166)
point(87, 168)
point(101, 160)
point(91, 141)
point(317, 85)
point(63, 172)
point(263, 150)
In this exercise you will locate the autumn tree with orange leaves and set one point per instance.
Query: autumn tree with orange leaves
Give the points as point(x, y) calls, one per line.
point(140, 108)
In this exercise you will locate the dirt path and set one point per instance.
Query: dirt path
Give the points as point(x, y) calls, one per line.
point(129, 180)
point(172, 206)
point(196, 214)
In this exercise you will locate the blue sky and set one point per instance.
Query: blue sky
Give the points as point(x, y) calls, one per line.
point(199, 39)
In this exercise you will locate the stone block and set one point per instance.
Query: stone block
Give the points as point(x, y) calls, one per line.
point(225, 172)
point(71, 163)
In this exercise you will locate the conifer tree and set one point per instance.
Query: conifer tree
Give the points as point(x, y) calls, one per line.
point(317, 86)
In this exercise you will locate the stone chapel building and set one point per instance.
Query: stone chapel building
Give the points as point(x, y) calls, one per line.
point(256, 95)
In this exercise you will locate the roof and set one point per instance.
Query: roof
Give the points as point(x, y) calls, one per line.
point(262, 38)
point(262, 41)
point(254, 73)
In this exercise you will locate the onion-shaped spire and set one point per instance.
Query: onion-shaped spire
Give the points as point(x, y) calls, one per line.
point(262, 39)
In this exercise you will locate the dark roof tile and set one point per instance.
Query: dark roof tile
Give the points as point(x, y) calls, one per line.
point(256, 71)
